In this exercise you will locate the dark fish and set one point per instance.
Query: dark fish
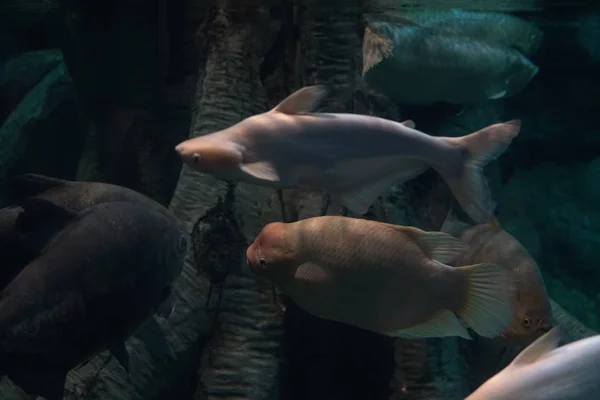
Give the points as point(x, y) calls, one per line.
point(75, 195)
point(103, 273)
point(411, 64)
point(384, 278)
point(13, 259)
point(355, 158)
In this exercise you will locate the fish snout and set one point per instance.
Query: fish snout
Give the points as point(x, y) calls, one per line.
point(254, 262)
point(187, 155)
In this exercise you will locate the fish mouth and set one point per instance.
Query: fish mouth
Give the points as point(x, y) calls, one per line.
point(251, 267)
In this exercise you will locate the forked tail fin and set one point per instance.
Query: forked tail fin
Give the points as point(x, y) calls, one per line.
point(471, 188)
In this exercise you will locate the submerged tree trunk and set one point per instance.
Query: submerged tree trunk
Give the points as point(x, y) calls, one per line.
point(242, 358)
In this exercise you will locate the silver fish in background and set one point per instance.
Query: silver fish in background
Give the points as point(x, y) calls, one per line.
point(544, 371)
point(353, 157)
point(494, 29)
point(384, 278)
point(412, 64)
point(490, 243)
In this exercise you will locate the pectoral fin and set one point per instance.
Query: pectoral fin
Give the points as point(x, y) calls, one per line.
point(261, 170)
point(311, 272)
point(120, 353)
point(443, 324)
point(496, 95)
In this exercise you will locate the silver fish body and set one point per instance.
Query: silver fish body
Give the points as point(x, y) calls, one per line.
point(544, 372)
point(353, 157)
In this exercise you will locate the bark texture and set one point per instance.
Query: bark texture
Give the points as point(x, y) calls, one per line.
point(242, 358)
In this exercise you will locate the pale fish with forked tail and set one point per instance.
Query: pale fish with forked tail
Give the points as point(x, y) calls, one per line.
point(384, 278)
point(353, 157)
point(544, 371)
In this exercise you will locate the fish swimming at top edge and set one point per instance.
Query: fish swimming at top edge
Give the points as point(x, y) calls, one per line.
point(491, 28)
point(353, 157)
point(384, 278)
point(96, 281)
point(544, 371)
point(411, 64)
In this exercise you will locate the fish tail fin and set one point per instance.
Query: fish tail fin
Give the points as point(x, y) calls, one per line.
point(470, 188)
point(488, 305)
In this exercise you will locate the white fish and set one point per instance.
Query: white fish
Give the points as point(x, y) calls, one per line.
point(544, 371)
point(353, 157)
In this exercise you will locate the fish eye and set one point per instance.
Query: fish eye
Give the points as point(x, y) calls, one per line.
point(527, 322)
point(196, 157)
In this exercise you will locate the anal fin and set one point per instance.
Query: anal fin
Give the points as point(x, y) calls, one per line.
point(360, 198)
point(443, 324)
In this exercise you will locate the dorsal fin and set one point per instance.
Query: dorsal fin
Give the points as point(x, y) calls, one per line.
point(28, 185)
point(304, 100)
point(39, 221)
point(409, 123)
point(437, 246)
point(542, 346)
